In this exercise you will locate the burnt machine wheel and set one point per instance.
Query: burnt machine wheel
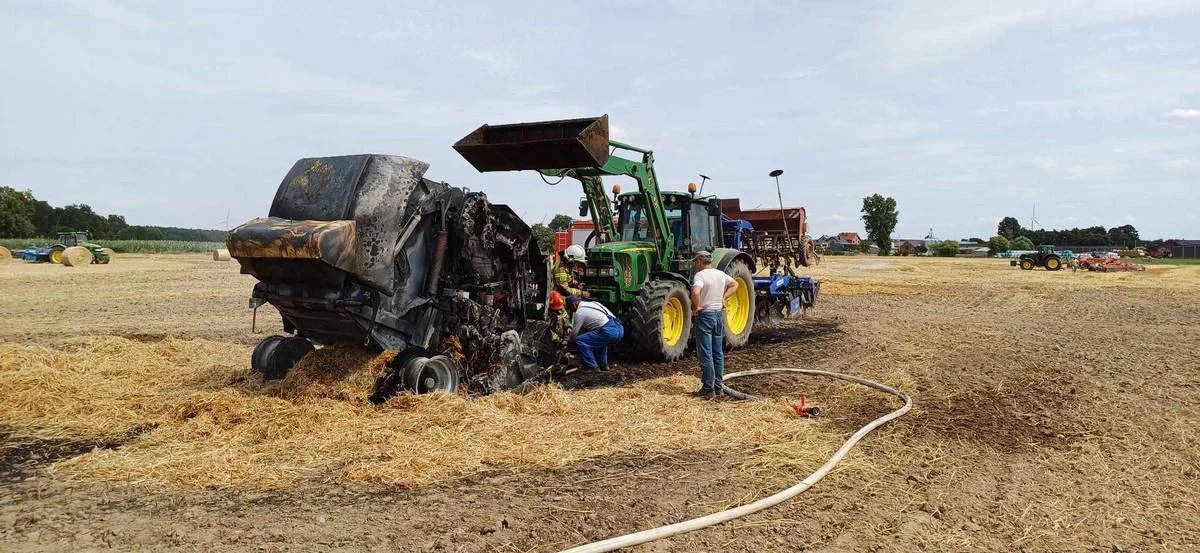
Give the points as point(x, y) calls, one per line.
point(1053, 263)
point(1027, 264)
point(739, 308)
point(425, 375)
point(275, 355)
point(662, 320)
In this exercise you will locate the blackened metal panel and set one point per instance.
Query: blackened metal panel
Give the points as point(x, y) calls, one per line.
point(319, 189)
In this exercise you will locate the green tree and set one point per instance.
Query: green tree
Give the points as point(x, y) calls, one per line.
point(1009, 228)
point(880, 218)
point(998, 244)
point(16, 213)
point(544, 237)
point(1021, 243)
point(560, 221)
point(947, 248)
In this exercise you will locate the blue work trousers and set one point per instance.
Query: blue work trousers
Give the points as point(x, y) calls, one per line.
point(710, 342)
point(593, 344)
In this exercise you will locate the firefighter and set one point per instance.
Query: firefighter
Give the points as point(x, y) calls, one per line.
point(560, 319)
point(571, 262)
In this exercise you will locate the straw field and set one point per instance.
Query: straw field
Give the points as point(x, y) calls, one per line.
point(1054, 411)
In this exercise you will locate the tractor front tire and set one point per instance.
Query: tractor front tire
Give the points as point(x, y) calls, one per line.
point(662, 320)
point(739, 308)
point(1026, 265)
point(1053, 263)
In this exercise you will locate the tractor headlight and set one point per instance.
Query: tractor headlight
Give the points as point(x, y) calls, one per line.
point(605, 271)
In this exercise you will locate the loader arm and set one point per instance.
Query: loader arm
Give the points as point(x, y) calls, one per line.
point(580, 149)
point(601, 208)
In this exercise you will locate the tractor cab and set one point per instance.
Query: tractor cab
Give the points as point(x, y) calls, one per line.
point(69, 239)
point(694, 223)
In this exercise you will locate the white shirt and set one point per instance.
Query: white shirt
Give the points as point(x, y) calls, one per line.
point(590, 315)
point(711, 283)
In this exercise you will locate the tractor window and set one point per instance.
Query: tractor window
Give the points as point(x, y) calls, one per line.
point(701, 228)
point(635, 224)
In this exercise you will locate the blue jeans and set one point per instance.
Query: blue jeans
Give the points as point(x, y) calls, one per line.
point(593, 344)
point(710, 339)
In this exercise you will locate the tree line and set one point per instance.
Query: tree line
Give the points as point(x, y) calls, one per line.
point(1125, 236)
point(24, 216)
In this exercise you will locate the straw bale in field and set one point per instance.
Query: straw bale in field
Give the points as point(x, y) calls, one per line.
point(76, 256)
point(5, 254)
point(221, 254)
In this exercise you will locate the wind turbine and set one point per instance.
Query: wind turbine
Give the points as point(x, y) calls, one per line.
point(1033, 219)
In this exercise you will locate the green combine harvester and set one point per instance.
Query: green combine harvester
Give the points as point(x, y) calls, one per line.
point(640, 263)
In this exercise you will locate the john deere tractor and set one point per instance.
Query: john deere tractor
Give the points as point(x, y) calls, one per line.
point(1044, 257)
point(54, 253)
point(640, 262)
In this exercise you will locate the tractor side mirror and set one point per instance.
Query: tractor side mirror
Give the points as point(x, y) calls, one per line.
point(714, 207)
point(583, 207)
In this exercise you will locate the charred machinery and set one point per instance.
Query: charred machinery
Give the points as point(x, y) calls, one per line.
point(365, 249)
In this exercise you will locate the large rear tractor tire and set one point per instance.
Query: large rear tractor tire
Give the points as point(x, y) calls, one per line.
point(56, 255)
point(662, 320)
point(1027, 264)
point(739, 308)
point(276, 355)
point(1053, 263)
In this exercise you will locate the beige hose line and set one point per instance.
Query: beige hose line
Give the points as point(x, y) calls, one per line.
point(652, 534)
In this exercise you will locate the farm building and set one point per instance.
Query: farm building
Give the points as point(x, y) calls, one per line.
point(1184, 248)
point(908, 246)
point(850, 238)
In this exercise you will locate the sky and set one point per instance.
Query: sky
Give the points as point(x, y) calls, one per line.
point(189, 113)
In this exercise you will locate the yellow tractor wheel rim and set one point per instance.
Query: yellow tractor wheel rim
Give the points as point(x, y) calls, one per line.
point(1052, 264)
point(1026, 264)
point(737, 308)
point(672, 321)
point(56, 256)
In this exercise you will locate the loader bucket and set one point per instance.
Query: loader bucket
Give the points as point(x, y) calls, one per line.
point(563, 144)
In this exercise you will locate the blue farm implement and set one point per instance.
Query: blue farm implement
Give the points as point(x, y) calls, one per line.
point(782, 294)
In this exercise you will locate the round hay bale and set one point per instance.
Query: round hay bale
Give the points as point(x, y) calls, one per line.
point(76, 256)
point(5, 254)
point(109, 251)
point(221, 254)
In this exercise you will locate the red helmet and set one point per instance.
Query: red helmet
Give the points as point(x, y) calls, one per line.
point(557, 301)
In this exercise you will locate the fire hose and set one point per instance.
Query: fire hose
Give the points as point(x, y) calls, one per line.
point(653, 534)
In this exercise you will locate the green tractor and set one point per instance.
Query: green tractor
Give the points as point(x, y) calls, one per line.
point(1044, 257)
point(54, 254)
point(639, 261)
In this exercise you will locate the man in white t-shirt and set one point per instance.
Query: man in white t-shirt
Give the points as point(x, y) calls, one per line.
point(710, 289)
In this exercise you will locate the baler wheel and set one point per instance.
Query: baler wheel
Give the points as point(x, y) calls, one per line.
point(275, 355)
point(435, 374)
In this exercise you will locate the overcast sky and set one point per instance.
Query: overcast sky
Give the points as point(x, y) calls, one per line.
point(177, 113)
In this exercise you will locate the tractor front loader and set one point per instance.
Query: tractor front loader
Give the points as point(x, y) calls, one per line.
point(640, 264)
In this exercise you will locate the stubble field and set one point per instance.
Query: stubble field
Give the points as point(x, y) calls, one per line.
point(1054, 411)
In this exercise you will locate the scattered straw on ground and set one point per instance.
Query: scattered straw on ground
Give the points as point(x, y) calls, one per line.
point(205, 424)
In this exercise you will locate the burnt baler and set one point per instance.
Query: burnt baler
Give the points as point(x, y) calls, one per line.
point(365, 249)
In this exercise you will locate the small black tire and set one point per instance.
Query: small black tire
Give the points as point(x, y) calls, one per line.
point(662, 320)
point(276, 355)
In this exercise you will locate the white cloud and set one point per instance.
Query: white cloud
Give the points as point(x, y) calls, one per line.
point(1183, 114)
point(834, 218)
point(494, 61)
point(1181, 164)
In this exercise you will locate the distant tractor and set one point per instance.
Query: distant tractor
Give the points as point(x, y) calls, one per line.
point(54, 254)
point(1044, 257)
